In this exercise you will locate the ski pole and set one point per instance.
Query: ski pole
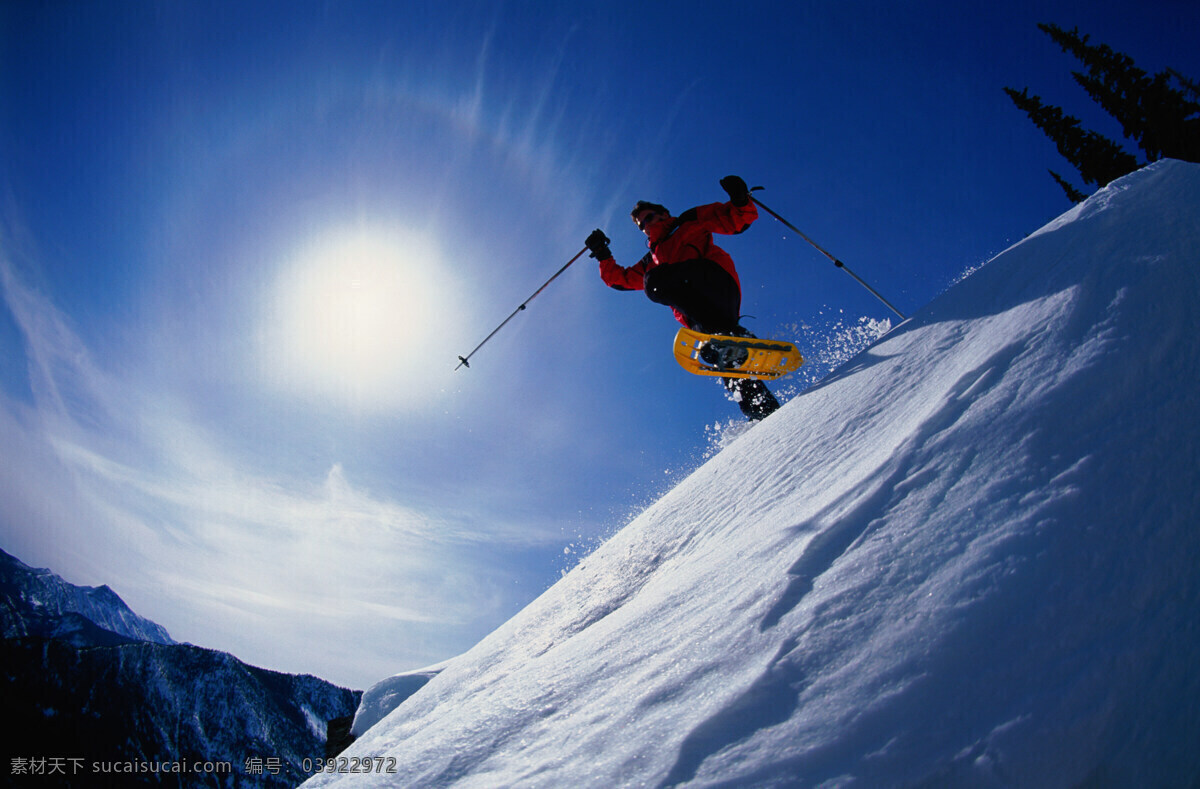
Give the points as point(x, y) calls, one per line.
point(818, 247)
point(462, 360)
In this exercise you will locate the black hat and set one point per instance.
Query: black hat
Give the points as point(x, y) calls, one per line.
point(642, 205)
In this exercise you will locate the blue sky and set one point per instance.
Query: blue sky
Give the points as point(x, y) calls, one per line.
point(243, 245)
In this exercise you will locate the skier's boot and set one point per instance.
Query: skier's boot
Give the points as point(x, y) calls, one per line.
point(753, 397)
point(723, 358)
point(728, 357)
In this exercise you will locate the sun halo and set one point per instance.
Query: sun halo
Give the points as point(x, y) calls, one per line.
point(354, 315)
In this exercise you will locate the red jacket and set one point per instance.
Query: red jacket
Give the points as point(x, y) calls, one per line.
point(686, 238)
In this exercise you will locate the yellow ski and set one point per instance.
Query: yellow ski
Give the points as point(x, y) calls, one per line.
point(735, 357)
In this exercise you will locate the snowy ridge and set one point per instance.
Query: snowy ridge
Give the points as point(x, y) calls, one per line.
point(86, 673)
point(384, 696)
point(25, 590)
point(965, 559)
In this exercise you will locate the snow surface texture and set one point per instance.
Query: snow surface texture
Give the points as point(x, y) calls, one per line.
point(385, 696)
point(968, 558)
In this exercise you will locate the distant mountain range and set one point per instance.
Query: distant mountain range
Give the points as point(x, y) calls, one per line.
point(99, 696)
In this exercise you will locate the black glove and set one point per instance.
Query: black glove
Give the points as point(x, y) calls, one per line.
point(739, 194)
point(597, 242)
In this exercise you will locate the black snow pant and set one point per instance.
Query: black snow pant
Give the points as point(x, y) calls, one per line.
point(703, 291)
point(710, 300)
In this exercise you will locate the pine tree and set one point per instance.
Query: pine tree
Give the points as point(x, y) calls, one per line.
point(1189, 85)
point(1098, 159)
point(1073, 194)
point(1162, 118)
point(1152, 112)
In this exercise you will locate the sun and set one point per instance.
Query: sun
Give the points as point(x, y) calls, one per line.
point(354, 315)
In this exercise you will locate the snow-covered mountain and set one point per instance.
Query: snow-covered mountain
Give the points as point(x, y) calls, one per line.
point(968, 558)
point(88, 682)
point(32, 600)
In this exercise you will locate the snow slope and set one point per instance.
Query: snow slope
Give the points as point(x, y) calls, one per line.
point(968, 558)
point(384, 696)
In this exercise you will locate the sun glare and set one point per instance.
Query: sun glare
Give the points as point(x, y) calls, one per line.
point(355, 314)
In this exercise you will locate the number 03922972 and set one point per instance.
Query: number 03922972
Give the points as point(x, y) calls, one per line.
point(351, 764)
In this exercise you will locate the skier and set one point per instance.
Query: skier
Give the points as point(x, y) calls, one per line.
point(687, 272)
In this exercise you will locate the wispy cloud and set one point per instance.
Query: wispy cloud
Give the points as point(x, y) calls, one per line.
point(124, 489)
